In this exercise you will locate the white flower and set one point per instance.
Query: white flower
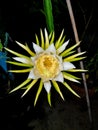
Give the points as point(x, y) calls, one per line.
point(50, 62)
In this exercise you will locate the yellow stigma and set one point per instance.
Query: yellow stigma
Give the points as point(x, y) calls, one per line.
point(47, 66)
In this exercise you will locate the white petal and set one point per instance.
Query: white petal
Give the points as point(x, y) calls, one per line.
point(59, 78)
point(37, 48)
point(60, 59)
point(46, 38)
point(32, 75)
point(51, 48)
point(62, 48)
point(33, 59)
point(68, 66)
point(47, 86)
point(23, 60)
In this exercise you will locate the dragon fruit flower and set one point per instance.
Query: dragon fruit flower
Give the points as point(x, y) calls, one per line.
point(49, 63)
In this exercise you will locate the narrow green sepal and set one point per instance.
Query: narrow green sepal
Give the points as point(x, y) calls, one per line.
point(21, 85)
point(58, 42)
point(38, 92)
point(75, 59)
point(63, 54)
point(26, 48)
point(71, 77)
point(15, 53)
point(37, 40)
point(20, 71)
point(77, 70)
point(19, 64)
point(29, 87)
point(57, 89)
point(49, 98)
point(73, 56)
point(70, 89)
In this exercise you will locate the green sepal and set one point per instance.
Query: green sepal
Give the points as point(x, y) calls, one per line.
point(57, 89)
point(75, 59)
point(58, 42)
point(20, 71)
point(38, 92)
point(29, 87)
point(51, 37)
point(49, 98)
point(21, 85)
point(69, 53)
point(37, 40)
point(70, 58)
point(19, 64)
point(26, 48)
point(15, 53)
point(70, 89)
point(70, 77)
point(77, 70)
point(63, 54)
point(42, 39)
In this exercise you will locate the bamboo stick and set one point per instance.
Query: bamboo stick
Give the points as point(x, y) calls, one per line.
point(69, 6)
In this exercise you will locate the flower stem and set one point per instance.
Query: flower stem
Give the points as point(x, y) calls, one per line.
point(48, 14)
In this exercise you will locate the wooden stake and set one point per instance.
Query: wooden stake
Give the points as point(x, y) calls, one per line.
point(81, 62)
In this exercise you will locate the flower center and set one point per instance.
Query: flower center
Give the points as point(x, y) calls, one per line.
point(47, 66)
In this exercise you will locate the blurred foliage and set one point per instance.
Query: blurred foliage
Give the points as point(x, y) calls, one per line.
point(1, 46)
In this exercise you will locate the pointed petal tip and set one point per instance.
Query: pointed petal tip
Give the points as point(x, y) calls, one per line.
point(62, 47)
point(68, 66)
point(51, 48)
point(16, 41)
point(47, 86)
point(59, 78)
point(37, 48)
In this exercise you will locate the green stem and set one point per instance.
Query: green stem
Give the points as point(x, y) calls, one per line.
point(48, 14)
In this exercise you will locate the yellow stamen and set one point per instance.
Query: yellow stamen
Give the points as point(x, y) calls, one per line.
point(47, 66)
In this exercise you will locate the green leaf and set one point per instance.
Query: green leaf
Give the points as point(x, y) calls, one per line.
point(1, 46)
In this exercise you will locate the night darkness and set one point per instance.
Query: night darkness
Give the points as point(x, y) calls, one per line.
point(21, 20)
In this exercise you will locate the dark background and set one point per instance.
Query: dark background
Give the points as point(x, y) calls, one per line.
point(22, 19)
